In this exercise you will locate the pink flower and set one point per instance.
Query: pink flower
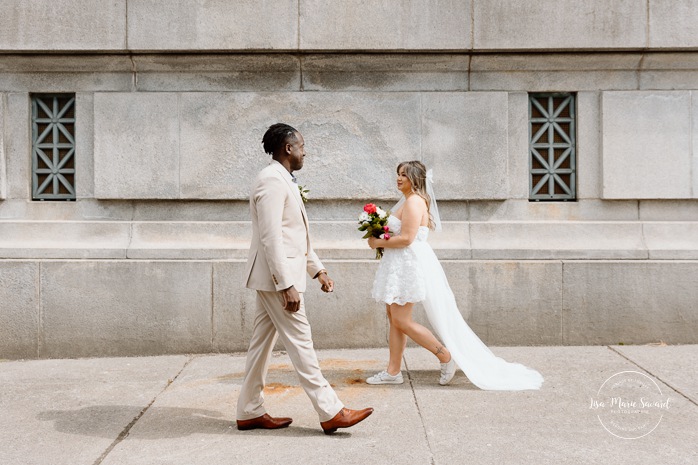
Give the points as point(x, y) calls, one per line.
point(386, 229)
point(370, 208)
point(386, 236)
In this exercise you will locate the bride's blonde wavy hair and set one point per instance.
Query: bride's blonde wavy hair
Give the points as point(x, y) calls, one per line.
point(416, 172)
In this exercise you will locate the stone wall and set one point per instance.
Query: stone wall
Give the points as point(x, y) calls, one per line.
point(349, 25)
point(172, 99)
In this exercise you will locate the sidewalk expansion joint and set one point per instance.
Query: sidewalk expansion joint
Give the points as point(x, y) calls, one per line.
point(419, 412)
point(125, 432)
point(675, 389)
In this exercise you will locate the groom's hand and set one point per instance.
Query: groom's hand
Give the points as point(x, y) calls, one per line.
point(326, 283)
point(292, 299)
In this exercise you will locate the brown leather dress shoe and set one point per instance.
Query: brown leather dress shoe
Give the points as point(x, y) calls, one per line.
point(344, 419)
point(264, 422)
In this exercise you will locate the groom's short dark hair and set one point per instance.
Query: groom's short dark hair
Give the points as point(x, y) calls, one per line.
point(277, 136)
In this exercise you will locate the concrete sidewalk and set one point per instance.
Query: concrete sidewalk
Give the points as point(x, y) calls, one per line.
point(180, 410)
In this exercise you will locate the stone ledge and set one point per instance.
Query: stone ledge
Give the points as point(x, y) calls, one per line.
point(220, 72)
point(460, 240)
point(553, 240)
point(385, 72)
point(671, 241)
point(190, 240)
point(353, 71)
point(58, 239)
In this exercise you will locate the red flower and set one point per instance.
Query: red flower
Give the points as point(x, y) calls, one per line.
point(386, 229)
point(386, 237)
point(370, 208)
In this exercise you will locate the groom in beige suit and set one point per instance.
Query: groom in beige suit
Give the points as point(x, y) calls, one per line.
point(280, 256)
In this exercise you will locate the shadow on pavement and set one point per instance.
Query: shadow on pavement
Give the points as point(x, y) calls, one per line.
point(108, 421)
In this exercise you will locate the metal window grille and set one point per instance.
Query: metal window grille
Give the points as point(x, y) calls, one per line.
point(53, 146)
point(552, 147)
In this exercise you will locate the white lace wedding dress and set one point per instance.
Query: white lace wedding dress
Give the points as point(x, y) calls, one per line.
point(414, 274)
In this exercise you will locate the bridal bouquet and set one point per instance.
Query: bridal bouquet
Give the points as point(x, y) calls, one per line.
point(374, 221)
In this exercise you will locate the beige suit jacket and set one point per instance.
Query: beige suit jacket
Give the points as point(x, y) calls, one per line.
point(280, 252)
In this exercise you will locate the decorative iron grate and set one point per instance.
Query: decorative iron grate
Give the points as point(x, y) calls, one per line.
point(53, 147)
point(552, 147)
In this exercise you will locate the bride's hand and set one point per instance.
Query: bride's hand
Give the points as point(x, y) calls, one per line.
point(372, 242)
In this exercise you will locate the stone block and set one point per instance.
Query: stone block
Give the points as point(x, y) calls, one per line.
point(58, 239)
point(49, 25)
point(506, 302)
point(65, 63)
point(66, 82)
point(514, 303)
point(136, 145)
point(465, 141)
point(556, 240)
point(18, 147)
point(671, 240)
point(673, 24)
point(582, 210)
point(382, 72)
point(217, 25)
point(84, 143)
point(233, 307)
point(694, 143)
point(190, 240)
point(65, 73)
point(633, 302)
point(669, 71)
point(646, 145)
point(668, 210)
point(204, 72)
point(3, 182)
point(518, 163)
point(125, 308)
point(559, 25)
point(588, 145)
point(347, 317)
point(19, 309)
point(391, 25)
point(354, 141)
point(563, 72)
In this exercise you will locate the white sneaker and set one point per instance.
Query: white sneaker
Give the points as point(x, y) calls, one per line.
point(385, 378)
point(448, 371)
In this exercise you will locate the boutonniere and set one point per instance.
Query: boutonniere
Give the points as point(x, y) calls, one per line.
point(304, 193)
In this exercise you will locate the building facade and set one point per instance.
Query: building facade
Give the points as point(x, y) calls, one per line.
point(563, 136)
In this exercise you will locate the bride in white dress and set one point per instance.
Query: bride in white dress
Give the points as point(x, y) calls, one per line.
point(409, 272)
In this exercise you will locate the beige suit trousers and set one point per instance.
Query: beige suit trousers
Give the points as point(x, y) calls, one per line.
point(270, 321)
